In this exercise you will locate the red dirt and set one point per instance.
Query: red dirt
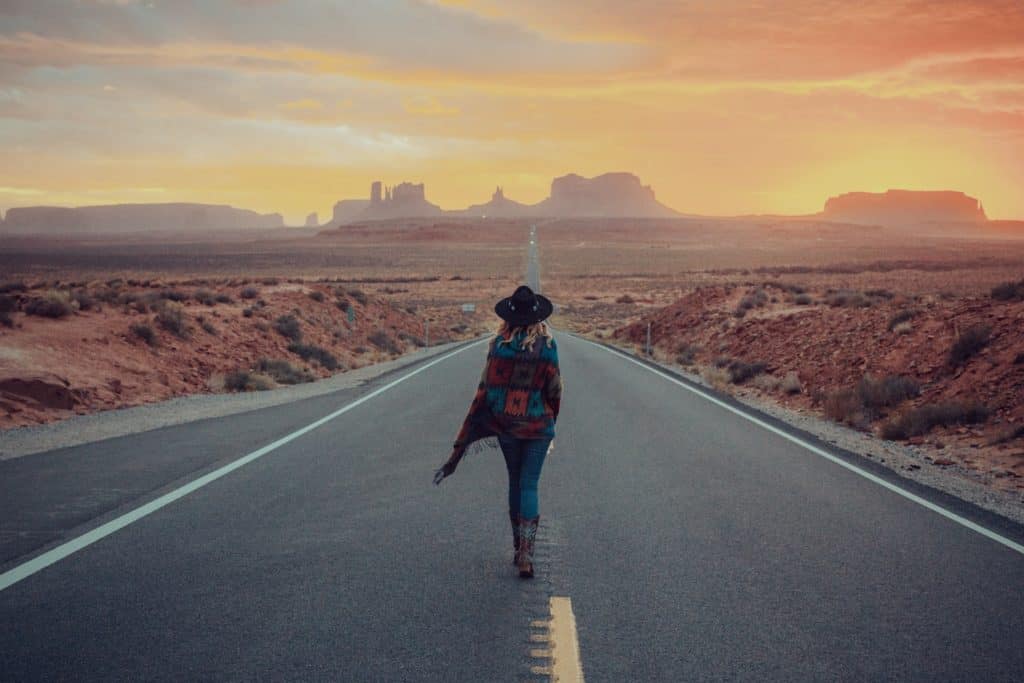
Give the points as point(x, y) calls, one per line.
point(830, 348)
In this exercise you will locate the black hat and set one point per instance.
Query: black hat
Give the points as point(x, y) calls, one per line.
point(524, 307)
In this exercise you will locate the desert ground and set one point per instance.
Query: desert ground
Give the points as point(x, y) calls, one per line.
point(914, 337)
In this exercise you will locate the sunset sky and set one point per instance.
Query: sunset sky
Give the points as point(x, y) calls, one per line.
point(723, 106)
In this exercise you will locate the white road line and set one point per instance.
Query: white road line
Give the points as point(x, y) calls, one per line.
point(36, 564)
point(565, 648)
point(825, 454)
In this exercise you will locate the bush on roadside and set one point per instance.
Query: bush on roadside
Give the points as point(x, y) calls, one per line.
point(174, 295)
point(171, 317)
point(741, 371)
point(920, 421)
point(1009, 291)
point(52, 304)
point(83, 299)
point(412, 339)
point(205, 297)
point(862, 403)
point(686, 354)
point(245, 380)
point(321, 355)
point(249, 293)
point(846, 298)
point(144, 332)
point(316, 295)
point(803, 300)
point(343, 305)
point(283, 371)
point(289, 326)
point(900, 317)
point(969, 343)
point(383, 341)
point(791, 383)
point(359, 295)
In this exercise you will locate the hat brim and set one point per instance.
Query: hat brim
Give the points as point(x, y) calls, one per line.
point(528, 317)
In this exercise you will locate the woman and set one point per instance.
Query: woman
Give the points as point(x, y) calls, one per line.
point(517, 401)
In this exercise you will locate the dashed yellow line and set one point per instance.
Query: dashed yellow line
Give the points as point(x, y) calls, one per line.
point(566, 666)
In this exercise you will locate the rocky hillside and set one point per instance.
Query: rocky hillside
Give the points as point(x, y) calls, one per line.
point(904, 207)
point(123, 218)
point(945, 373)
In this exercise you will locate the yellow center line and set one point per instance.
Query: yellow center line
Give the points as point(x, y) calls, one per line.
point(565, 648)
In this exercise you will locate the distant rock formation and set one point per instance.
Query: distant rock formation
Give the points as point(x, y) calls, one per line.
point(405, 200)
point(608, 195)
point(904, 207)
point(313, 220)
point(124, 218)
point(499, 207)
point(347, 209)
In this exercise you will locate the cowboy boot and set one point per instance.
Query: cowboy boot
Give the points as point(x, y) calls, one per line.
point(514, 518)
point(527, 536)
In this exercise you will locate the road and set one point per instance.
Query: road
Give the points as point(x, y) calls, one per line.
point(693, 544)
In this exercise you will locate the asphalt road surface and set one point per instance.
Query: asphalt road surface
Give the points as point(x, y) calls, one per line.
point(693, 544)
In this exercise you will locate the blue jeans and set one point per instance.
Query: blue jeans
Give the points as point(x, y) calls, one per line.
point(523, 459)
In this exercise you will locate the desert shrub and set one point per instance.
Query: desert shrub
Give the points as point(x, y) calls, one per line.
point(411, 338)
point(6, 320)
point(886, 392)
point(269, 281)
point(224, 299)
point(383, 341)
point(741, 371)
point(847, 299)
point(766, 382)
point(802, 300)
point(754, 299)
point(205, 297)
point(969, 343)
point(207, 326)
point(791, 383)
point(174, 295)
point(171, 317)
point(11, 287)
point(879, 293)
point(84, 300)
point(845, 406)
point(249, 293)
point(686, 354)
point(359, 295)
point(920, 421)
point(289, 327)
point(245, 380)
point(144, 332)
point(1019, 359)
point(458, 329)
point(316, 295)
point(8, 304)
point(862, 403)
point(311, 352)
point(901, 317)
point(715, 376)
point(247, 312)
point(1009, 291)
point(283, 371)
point(361, 349)
point(903, 328)
point(52, 304)
point(261, 326)
point(625, 299)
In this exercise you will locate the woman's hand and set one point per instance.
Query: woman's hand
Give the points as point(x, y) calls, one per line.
point(443, 471)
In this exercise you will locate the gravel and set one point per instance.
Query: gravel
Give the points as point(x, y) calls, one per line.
point(80, 429)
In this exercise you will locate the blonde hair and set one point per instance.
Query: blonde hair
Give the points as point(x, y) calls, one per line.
point(532, 331)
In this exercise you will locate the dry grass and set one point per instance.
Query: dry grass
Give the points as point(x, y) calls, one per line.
point(920, 421)
point(970, 342)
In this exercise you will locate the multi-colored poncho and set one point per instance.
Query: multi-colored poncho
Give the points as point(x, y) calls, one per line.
point(519, 394)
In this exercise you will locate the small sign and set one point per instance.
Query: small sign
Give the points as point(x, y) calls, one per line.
point(468, 308)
